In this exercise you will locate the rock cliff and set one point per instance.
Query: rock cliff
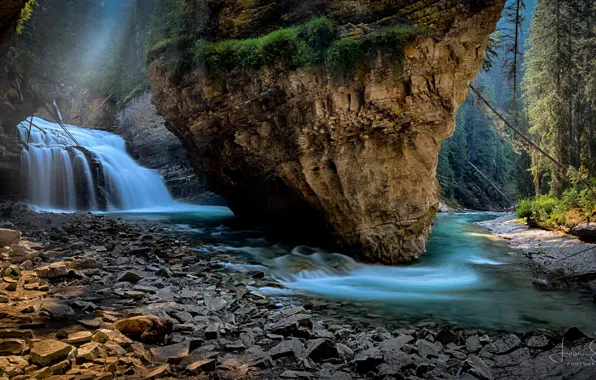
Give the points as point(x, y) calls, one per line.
point(9, 114)
point(350, 161)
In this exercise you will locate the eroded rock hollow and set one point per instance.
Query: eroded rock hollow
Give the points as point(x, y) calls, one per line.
point(351, 160)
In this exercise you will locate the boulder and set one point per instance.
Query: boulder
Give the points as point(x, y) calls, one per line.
point(146, 328)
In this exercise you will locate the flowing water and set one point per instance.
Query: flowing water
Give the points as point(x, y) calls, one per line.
point(467, 278)
point(97, 175)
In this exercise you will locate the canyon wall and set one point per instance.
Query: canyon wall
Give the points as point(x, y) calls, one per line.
point(9, 113)
point(351, 163)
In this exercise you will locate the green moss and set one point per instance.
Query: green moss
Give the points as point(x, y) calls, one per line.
point(313, 44)
point(25, 15)
point(134, 93)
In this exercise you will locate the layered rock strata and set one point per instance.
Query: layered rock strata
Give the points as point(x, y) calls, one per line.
point(353, 161)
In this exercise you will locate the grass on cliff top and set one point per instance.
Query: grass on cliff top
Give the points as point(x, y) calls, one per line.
point(314, 44)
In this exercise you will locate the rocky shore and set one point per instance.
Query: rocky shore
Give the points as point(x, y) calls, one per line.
point(92, 297)
point(557, 260)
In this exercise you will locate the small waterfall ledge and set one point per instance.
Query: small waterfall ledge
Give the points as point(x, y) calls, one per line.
point(98, 175)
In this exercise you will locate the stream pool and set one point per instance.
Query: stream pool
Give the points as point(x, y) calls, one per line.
point(468, 278)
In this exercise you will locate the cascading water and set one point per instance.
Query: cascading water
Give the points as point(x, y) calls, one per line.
point(97, 175)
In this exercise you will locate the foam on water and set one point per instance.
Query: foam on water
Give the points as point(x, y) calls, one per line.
point(98, 175)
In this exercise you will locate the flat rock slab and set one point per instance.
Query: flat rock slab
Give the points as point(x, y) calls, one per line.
point(12, 346)
point(79, 337)
point(49, 351)
point(172, 354)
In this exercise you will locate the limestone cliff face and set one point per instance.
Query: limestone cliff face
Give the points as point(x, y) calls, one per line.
point(354, 161)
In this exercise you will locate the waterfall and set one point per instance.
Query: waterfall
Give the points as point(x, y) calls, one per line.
point(98, 175)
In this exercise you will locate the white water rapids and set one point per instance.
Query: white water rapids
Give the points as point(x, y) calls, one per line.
point(97, 176)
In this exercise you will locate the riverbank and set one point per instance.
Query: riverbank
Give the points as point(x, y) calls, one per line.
point(556, 259)
point(72, 280)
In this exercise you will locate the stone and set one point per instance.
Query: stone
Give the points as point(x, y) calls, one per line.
point(395, 343)
point(12, 346)
point(172, 354)
point(4, 298)
point(321, 349)
point(214, 303)
point(147, 328)
point(57, 310)
point(158, 372)
point(48, 351)
point(537, 341)
point(129, 276)
point(473, 344)
point(114, 348)
point(427, 349)
point(105, 335)
point(368, 360)
point(478, 368)
point(61, 367)
point(79, 337)
point(204, 365)
point(11, 287)
point(290, 347)
point(88, 352)
point(290, 374)
point(504, 345)
point(52, 271)
point(212, 331)
point(91, 324)
point(9, 237)
point(13, 333)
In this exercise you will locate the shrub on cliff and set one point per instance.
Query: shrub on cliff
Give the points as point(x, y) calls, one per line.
point(314, 44)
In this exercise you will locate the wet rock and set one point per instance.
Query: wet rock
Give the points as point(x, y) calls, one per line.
point(9, 237)
point(49, 351)
point(148, 329)
point(478, 368)
point(290, 347)
point(171, 354)
point(321, 349)
point(12, 346)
